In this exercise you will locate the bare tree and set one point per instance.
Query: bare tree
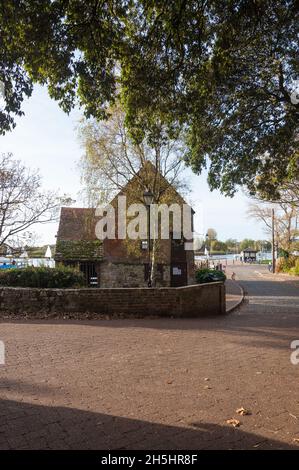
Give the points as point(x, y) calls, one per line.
point(111, 159)
point(23, 203)
point(285, 226)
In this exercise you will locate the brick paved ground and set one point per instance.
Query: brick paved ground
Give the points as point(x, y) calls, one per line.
point(234, 294)
point(160, 383)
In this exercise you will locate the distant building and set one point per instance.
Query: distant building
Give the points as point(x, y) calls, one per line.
point(249, 255)
point(122, 262)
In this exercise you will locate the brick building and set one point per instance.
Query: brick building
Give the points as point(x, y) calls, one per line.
point(123, 262)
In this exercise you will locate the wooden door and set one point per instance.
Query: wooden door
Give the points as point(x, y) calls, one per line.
point(178, 274)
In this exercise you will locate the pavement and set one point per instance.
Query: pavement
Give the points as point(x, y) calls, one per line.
point(157, 383)
point(234, 294)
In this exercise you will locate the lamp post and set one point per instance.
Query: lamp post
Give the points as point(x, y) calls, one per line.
point(148, 198)
point(207, 243)
point(207, 250)
point(273, 242)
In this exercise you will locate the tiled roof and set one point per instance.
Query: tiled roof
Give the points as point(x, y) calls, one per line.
point(76, 223)
point(76, 239)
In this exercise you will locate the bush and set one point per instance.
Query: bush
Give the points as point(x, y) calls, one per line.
point(284, 265)
point(60, 277)
point(295, 269)
point(209, 275)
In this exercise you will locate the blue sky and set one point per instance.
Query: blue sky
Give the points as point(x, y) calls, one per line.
point(46, 138)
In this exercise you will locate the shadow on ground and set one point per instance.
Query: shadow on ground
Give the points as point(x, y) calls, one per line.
point(28, 426)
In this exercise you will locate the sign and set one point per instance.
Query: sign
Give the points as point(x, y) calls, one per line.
point(176, 271)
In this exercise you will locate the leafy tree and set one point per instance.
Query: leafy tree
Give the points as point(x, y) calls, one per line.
point(232, 244)
point(225, 69)
point(212, 234)
point(247, 243)
point(262, 245)
point(217, 245)
point(286, 191)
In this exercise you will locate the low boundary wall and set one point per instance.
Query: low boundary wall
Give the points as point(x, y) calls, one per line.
point(190, 301)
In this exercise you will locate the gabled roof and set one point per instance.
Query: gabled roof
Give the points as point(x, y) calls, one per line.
point(76, 238)
point(147, 170)
point(77, 223)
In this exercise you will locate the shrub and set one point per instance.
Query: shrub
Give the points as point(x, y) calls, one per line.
point(284, 265)
point(209, 275)
point(295, 269)
point(60, 277)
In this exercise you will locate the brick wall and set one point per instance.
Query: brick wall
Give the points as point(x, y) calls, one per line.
point(189, 301)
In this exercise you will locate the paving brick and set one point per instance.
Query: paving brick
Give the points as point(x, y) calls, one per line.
point(156, 383)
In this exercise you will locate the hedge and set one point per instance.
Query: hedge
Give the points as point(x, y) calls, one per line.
point(60, 277)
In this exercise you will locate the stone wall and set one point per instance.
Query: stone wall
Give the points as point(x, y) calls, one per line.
point(128, 275)
point(190, 301)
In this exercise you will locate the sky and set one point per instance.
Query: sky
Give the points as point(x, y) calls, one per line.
point(45, 138)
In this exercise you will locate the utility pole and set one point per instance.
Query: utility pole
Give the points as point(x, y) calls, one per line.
point(273, 242)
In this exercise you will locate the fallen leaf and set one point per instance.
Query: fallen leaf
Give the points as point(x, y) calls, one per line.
point(242, 411)
point(233, 422)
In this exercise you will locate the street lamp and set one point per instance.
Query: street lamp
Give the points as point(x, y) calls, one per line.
point(207, 241)
point(207, 249)
point(148, 198)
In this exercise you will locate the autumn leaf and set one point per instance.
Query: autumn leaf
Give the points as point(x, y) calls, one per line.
point(243, 412)
point(233, 422)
